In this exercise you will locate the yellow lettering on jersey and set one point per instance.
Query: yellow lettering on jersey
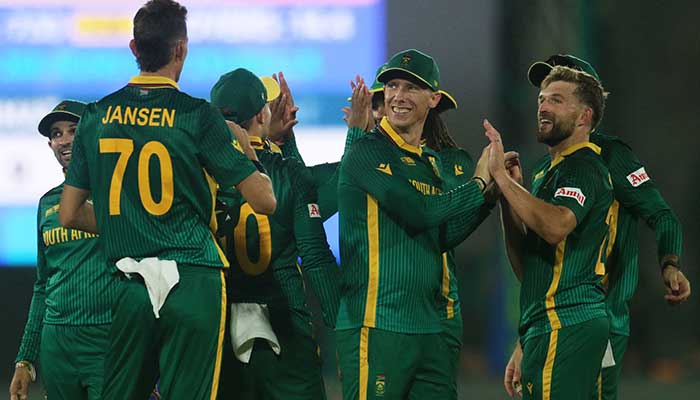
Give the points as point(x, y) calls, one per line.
point(425, 188)
point(105, 119)
point(64, 235)
point(155, 116)
point(168, 117)
point(130, 115)
point(116, 115)
point(139, 116)
point(143, 117)
point(74, 234)
point(52, 210)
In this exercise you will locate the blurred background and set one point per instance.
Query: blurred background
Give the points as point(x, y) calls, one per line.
point(647, 54)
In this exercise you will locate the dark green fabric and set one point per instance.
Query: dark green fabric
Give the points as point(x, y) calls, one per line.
point(72, 361)
point(74, 284)
point(411, 207)
point(577, 358)
point(264, 258)
point(293, 374)
point(453, 330)
point(581, 183)
point(399, 366)
point(197, 141)
point(181, 346)
point(606, 387)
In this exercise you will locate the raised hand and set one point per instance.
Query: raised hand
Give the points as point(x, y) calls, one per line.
point(359, 114)
point(283, 112)
point(496, 157)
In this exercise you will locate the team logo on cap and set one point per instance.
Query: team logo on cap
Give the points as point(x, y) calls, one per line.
point(406, 59)
point(61, 106)
point(459, 170)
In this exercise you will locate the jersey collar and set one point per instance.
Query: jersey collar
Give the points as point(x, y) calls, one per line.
point(258, 143)
point(386, 127)
point(573, 149)
point(153, 82)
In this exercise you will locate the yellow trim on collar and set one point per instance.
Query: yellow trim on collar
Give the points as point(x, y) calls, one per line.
point(573, 149)
point(257, 143)
point(153, 80)
point(397, 139)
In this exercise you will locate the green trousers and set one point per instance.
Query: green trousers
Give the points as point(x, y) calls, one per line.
point(606, 387)
point(72, 361)
point(379, 364)
point(294, 374)
point(564, 364)
point(452, 334)
point(183, 346)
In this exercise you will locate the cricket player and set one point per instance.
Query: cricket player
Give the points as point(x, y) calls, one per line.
point(70, 314)
point(280, 360)
point(396, 220)
point(557, 239)
point(636, 197)
point(151, 157)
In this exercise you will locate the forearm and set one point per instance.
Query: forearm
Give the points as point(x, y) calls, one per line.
point(669, 235)
point(31, 339)
point(459, 229)
point(325, 282)
point(83, 219)
point(422, 212)
point(546, 220)
point(514, 233)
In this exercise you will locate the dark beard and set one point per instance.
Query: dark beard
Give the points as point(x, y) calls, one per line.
point(559, 132)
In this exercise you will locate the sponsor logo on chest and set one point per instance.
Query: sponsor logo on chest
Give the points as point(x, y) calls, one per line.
point(574, 193)
point(638, 177)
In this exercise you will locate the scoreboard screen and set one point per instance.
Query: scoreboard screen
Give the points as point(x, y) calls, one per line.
point(78, 49)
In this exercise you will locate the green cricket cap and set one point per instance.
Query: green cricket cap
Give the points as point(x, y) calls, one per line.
point(540, 69)
point(420, 66)
point(67, 110)
point(240, 94)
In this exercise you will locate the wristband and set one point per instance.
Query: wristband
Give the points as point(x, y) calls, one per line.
point(259, 167)
point(29, 367)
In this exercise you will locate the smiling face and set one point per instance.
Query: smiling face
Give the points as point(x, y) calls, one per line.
point(407, 103)
point(61, 141)
point(558, 112)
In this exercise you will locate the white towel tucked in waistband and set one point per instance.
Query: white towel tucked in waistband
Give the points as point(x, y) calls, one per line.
point(608, 357)
point(159, 275)
point(250, 321)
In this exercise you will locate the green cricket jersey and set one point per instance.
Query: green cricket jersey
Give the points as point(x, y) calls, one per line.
point(263, 249)
point(152, 157)
point(74, 284)
point(457, 164)
point(561, 283)
point(396, 220)
point(636, 197)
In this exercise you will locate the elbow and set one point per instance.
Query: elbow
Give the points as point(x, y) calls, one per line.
point(266, 206)
point(554, 236)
